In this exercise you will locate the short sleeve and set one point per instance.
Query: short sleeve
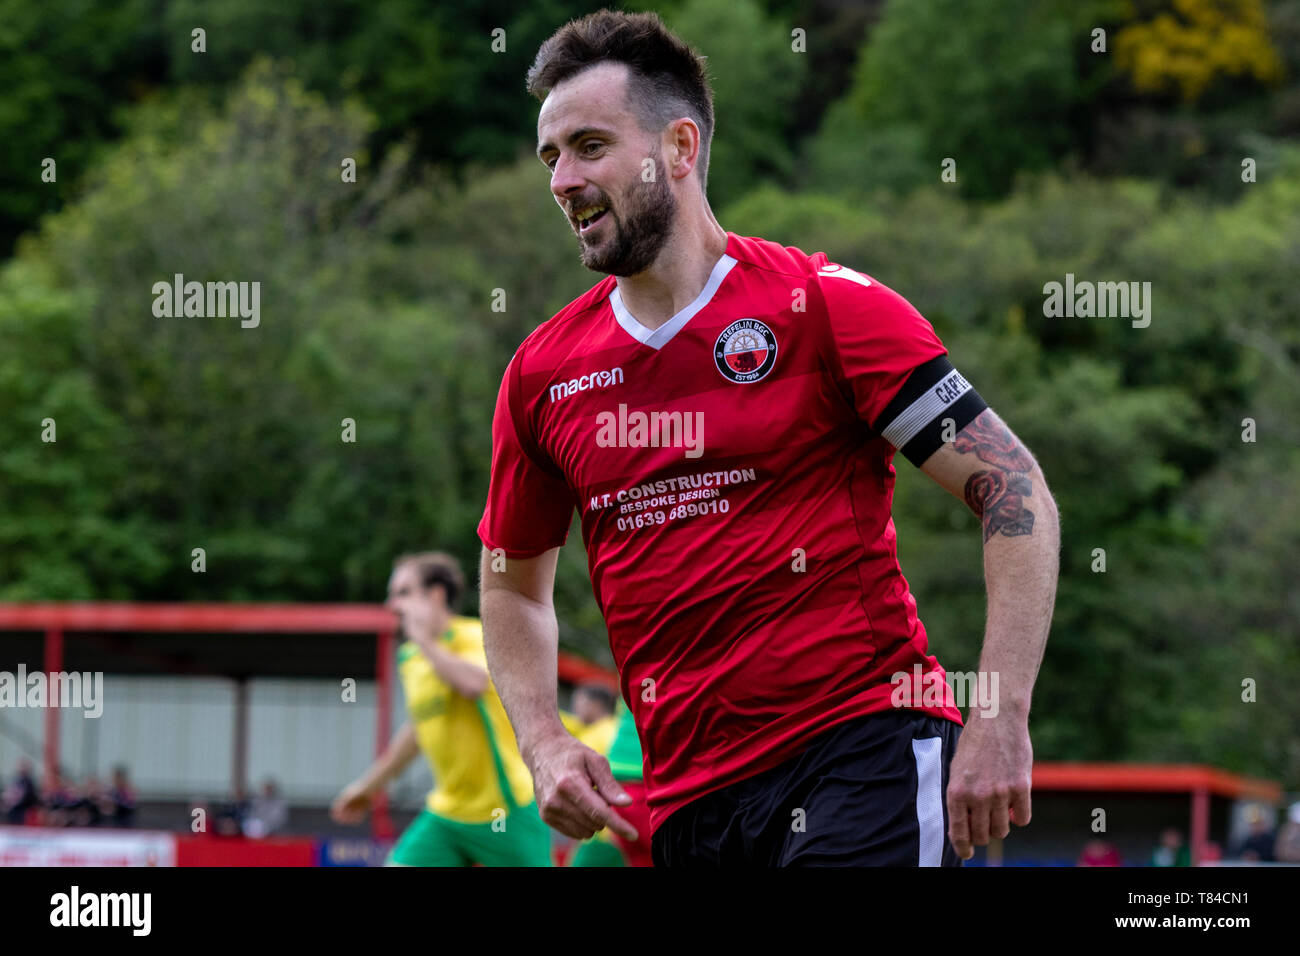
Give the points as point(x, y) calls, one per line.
point(528, 504)
point(889, 362)
point(470, 649)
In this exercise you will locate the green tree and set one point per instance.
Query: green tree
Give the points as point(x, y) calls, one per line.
point(990, 84)
point(62, 532)
point(756, 76)
point(376, 306)
point(65, 66)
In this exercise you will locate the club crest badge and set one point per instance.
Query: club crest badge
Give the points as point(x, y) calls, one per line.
point(745, 351)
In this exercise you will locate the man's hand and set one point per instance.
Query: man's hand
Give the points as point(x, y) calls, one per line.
point(576, 791)
point(989, 780)
point(357, 798)
point(352, 805)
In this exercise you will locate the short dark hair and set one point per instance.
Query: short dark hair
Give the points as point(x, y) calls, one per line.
point(437, 567)
point(667, 78)
point(599, 693)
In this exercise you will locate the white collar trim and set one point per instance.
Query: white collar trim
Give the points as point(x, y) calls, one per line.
point(658, 338)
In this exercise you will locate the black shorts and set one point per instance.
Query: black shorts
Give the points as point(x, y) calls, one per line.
point(869, 792)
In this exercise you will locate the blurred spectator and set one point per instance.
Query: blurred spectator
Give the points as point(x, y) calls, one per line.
point(1258, 845)
point(230, 818)
point(267, 813)
point(103, 803)
point(59, 801)
point(87, 809)
point(1099, 853)
point(593, 702)
point(1287, 847)
point(227, 822)
point(22, 796)
point(122, 796)
point(1171, 851)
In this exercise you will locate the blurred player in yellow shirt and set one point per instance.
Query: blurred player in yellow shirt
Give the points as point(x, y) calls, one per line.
point(481, 808)
point(593, 721)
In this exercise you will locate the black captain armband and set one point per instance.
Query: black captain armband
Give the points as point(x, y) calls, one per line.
point(914, 421)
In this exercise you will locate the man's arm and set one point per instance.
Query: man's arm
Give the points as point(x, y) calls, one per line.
point(464, 677)
point(351, 805)
point(574, 786)
point(992, 471)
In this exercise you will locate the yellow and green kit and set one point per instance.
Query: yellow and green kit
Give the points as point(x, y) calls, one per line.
point(481, 808)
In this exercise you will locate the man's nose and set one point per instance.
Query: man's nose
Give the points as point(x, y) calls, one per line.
point(565, 181)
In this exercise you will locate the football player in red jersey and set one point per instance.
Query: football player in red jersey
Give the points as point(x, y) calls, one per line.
point(748, 574)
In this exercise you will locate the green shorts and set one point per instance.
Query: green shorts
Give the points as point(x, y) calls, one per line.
point(596, 852)
point(519, 839)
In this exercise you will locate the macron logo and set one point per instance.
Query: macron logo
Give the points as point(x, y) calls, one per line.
point(603, 379)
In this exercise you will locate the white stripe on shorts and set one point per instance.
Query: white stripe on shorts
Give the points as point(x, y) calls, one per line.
point(929, 798)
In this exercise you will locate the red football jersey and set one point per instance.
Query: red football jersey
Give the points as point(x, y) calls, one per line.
point(733, 472)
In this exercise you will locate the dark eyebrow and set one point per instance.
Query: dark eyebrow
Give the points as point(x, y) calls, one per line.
point(576, 135)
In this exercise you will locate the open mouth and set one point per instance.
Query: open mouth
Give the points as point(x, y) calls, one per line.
point(584, 225)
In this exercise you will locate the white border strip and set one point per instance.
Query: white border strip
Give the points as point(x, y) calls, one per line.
point(929, 799)
point(658, 338)
point(925, 409)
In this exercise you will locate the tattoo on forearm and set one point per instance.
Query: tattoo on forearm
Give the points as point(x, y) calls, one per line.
point(997, 495)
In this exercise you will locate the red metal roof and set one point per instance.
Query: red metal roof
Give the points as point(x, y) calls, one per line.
point(235, 618)
point(181, 618)
point(1152, 778)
